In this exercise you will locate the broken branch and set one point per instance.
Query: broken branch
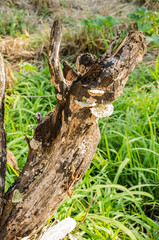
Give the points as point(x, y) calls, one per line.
point(57, 77)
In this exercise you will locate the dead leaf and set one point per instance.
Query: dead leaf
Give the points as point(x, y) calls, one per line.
point(10, 79)
point(11, 159)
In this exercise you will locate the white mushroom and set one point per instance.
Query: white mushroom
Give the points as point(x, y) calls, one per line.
point(102, 111)
point(96, 92)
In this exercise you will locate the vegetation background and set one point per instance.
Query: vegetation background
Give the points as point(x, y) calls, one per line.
point(124, 173)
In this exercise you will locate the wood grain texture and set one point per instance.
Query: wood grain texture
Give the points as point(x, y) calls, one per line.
point(65, 141)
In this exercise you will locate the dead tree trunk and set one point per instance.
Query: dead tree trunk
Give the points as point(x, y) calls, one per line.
point(65, 141)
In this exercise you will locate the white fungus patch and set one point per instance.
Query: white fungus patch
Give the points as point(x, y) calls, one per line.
point(102, 111)
point(35, 144)
point(85, 104)
point(96, 92)
point(27, 173)
point(83, 147)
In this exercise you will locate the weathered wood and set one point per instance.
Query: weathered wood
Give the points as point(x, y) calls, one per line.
point(65, 142)
point(60, 230)
point(2, 134)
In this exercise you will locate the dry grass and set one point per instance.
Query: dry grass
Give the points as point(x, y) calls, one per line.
point(150, 4)
point(26, 27)
point(10, 79)
point(16, 48)
point(44, 3)
point(30, 48)
point(12, 161)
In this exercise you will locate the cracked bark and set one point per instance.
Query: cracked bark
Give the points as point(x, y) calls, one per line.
point(67, 138)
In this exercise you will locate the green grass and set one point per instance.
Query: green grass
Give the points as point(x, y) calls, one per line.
point(31, 93)
point(14, 22)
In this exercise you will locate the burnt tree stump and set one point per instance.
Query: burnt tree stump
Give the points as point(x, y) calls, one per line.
point(65, 142)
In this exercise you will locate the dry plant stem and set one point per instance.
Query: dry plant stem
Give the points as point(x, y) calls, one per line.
point(67, 138)
point(76, 228)
point(3, 158)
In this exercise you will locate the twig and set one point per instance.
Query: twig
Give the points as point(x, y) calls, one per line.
point(77, 227)
point(57, 77)
point(27, 140)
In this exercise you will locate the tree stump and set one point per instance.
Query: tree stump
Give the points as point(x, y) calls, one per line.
point(65, 142)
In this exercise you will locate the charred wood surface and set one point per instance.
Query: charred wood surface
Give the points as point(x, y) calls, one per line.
point(65, 142)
